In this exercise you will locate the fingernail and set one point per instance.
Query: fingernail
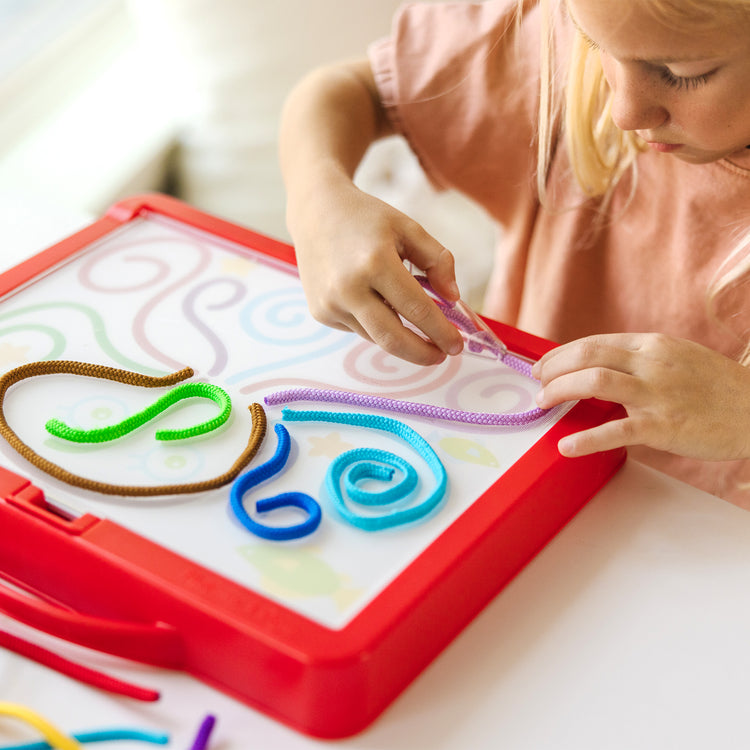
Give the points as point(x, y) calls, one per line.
point(540, 397)
point(566, 446)
point(456, 348)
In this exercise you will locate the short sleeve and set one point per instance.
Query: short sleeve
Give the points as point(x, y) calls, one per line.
point(460, 82)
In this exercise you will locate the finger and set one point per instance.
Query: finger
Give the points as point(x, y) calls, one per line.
point(595, 382)
point(430, 256)
point(381, 325)
point(442, 276)
point(405, 295)
point(613, 351)
point(609, 436)
point(586, 352)
point(351, 325)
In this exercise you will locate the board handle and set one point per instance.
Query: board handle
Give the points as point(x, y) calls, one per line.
point(157, 644)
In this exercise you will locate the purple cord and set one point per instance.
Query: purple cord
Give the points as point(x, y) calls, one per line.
point(461, 321)
point(333, 396)
point(481, 338)
point(204, 732)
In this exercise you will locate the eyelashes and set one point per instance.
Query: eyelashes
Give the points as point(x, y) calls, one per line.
point(683, 82)
point(589, 42)
point(666, 76)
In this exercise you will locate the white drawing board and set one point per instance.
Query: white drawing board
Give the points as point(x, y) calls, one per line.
point(155, 296)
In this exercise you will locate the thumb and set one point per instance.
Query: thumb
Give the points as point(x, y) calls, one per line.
point(442, 276)
point(434, 260)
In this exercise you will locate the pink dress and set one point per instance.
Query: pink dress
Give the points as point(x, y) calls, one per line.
point(460, 82)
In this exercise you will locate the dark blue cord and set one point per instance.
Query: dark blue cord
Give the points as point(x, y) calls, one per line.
point(287, 499)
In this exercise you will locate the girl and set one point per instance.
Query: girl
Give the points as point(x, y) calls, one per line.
point(617, 163)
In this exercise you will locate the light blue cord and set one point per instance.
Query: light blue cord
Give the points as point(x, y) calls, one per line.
point(345, 466)
point(100, 735)
point(365, 469)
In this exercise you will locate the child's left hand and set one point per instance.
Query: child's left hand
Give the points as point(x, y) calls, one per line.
point(679, 396)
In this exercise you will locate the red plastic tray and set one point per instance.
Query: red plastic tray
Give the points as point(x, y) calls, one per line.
point(103, 586)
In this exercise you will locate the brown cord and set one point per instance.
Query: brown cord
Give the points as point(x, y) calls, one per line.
point(85, 369)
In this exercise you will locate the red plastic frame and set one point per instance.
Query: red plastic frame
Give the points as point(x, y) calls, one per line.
point(152, 605)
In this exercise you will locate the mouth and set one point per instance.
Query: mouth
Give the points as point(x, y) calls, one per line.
point(662, 147)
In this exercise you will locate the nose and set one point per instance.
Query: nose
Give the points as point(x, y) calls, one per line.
point(636, 102)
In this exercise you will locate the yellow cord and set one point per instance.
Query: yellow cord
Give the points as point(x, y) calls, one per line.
point(54, 737)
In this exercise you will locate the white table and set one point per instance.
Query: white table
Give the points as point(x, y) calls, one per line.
point(630, 630)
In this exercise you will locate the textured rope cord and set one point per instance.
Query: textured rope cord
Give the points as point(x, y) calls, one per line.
point(51, 733)
point(204, 733)
point(178, 393)
point(131, 378)
point(381, 471)
point(76, 671)
point(347, 466)
point(463, 318)
point(287, 499)
point(99, 735)
point(482, 340)
point(413, 408)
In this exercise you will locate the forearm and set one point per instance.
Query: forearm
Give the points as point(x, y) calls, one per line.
point(329, 121)
point(351, 246)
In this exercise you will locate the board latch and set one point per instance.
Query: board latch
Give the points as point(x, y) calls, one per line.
point(27, 497)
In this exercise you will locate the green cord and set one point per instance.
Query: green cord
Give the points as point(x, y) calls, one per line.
point(178, 393)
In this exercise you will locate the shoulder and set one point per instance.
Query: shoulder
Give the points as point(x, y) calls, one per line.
point(426, 29)
point(436, 45)
point(451, 18)
point(461, 82)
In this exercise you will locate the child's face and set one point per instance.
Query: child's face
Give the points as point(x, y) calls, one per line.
point(684, 93)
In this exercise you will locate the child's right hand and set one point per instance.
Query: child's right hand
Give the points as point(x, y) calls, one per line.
point(350, 251)
point(351, 246)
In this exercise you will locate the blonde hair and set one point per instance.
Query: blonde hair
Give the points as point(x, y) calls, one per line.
point(600, 153)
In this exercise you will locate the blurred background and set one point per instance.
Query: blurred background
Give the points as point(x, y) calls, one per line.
point(100, 99)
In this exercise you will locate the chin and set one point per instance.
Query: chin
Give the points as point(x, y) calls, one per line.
point(701, 157)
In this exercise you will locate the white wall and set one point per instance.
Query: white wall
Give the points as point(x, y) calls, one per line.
point(234, 61)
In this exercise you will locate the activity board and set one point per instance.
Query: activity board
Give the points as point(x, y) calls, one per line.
point(152, 559)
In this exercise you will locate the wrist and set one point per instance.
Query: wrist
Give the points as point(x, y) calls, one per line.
point(315, 193)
